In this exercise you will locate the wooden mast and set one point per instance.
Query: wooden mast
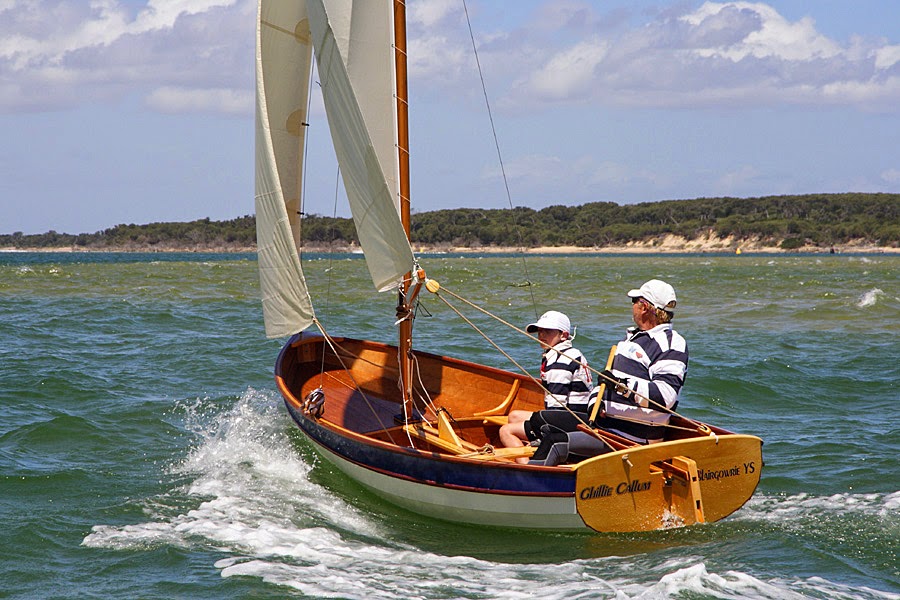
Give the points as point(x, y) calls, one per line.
point(404, 310)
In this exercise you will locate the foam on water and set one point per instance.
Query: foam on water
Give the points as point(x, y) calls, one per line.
point(248, 495)
point(395, 575)
point(870, 298)
point(252, 484)
point(788, 509)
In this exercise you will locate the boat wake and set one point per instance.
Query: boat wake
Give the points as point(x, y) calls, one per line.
point(245, 491)
point(251, 482)
point(793, 508)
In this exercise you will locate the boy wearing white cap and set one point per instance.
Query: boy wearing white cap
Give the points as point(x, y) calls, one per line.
point(564, 376)
point(647, 373)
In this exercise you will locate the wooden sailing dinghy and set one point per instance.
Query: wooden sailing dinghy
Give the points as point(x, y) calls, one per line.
point(442, 457)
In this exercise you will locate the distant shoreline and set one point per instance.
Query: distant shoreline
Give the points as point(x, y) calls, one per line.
point(667, 245)
point(810, 223)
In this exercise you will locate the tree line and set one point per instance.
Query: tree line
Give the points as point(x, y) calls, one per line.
point(786, 221)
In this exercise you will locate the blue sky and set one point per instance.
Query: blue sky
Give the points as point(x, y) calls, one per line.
point(137, 111)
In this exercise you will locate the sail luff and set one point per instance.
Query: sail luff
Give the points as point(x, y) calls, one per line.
point(353, 49)
point(283, 62)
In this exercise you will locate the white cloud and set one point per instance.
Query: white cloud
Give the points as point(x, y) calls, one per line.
point(581, 176)
point(55, 53)
point(735, 180)
point(178, 100)
point(775, 36)
point(430, 12)
point(891, 176)
point(71, 27)
point(872, 95)
point(887, 57)
point(436, 57)
point(532, 169)
point(722, 54)
point(569, 73)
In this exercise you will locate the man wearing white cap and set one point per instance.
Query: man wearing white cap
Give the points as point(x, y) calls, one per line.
point(564, 376)
point(647, 373)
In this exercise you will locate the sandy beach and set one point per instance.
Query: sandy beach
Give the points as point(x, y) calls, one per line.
point(669, 244)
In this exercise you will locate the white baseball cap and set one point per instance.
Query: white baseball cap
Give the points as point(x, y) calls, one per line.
point(551, 319)
point(658, 293)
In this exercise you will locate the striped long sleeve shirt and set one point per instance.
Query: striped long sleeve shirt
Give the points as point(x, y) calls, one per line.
point(566, 378)
point(654, 364)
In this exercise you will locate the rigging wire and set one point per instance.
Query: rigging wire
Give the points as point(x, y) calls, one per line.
point(423, 394)
point(334, 349)
point(330, 267)
point(301, 213)
point(500, 158)
point(650, 403)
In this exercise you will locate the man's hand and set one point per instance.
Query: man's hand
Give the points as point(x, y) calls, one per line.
point(620, 383)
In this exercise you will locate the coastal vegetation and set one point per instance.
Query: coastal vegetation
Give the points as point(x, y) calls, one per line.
point(785, 222)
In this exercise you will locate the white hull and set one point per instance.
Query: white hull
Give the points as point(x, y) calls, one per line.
point(476, 508)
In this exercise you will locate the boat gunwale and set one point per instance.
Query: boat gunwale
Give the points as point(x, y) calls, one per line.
point(308, 424)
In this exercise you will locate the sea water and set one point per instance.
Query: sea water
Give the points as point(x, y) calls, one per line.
point(145, 451)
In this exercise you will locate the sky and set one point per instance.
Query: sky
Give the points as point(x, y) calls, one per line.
point(139, 111)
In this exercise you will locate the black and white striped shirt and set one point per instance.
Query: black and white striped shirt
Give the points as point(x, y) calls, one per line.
point(566, 378)
point(654, 363)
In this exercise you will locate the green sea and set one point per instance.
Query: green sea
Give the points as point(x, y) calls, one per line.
point(145, 451)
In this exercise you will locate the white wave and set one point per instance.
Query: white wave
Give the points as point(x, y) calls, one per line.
point(870, 298)
point(251, 498)
point(696, 580)
point(401, 575)
point(892, 502)
point(789, 508)
point(253, 488)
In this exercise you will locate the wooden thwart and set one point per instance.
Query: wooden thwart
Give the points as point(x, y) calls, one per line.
point(503, 408)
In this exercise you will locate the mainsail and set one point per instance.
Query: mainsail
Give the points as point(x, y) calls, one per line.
point(354, 53)
point(283, 61)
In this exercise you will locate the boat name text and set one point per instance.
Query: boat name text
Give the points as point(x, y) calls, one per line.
point(605, 491)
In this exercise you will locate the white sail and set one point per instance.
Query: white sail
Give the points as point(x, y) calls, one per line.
point(283, 61)
point(354, 52)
